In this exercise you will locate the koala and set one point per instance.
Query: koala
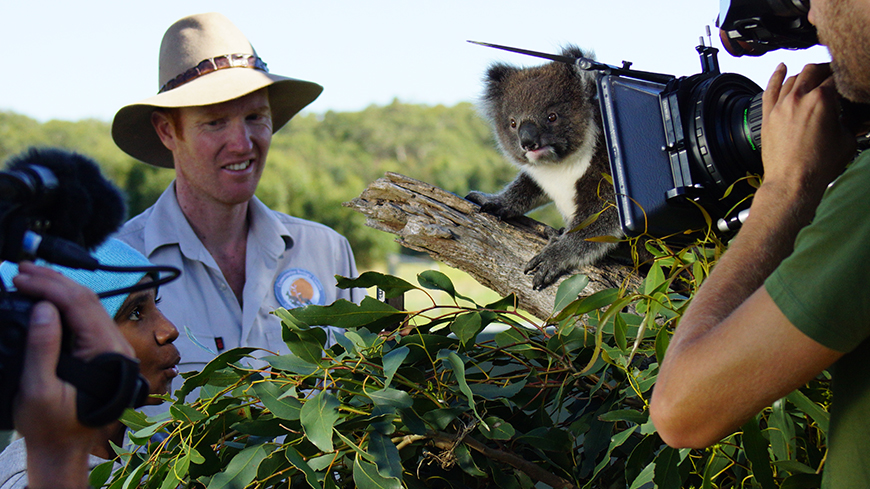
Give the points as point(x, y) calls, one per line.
point(548, 123)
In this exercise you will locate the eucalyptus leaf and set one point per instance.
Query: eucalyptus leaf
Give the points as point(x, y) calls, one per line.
point(465, 462)
point(508, 302)
point(318, 416)
point(305, 345)
point(271, 394)
point(392, 361)
point(293, 364)
point(813, 410)
point(466, 326)
point(221, 361)
point(100, 474)
point(298, 461)
point(497, 429)
point(366, 476)
point(386, 456)
point(756, 448)
point(391, 398)
point(346, 314)
point(392, 286)
point(492, 392)
point(459, 371)
point(186, 413)
point(241, 470)
point(667, 472)
point(435, 280)
point(568, 291)
point(599, 299)
point(629, 415)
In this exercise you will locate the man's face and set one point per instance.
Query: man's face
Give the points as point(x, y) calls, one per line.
point(842, 27)
point(151, 336)
point(219, 150)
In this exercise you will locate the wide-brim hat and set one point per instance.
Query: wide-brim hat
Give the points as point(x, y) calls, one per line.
point(205, 60)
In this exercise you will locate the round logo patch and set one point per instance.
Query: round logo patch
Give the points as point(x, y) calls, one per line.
point(297, 287)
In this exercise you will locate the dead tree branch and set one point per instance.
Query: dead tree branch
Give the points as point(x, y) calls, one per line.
point(452, 231)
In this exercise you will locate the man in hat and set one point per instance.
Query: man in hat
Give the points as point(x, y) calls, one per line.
point(790, 297)
point(212, 120)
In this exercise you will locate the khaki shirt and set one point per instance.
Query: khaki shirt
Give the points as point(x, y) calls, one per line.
point(290, 262)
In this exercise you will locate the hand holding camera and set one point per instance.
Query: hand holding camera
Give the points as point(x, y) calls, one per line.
point(799, 112)
point(45, 407)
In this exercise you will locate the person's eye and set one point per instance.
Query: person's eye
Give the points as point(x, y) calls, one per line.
point(135, 315)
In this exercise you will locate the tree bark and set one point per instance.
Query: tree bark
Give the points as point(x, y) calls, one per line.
point(453, 231)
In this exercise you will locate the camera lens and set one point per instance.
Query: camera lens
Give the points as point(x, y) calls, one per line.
point(726, 129)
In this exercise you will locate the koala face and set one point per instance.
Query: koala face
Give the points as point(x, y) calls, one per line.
point(541, 114)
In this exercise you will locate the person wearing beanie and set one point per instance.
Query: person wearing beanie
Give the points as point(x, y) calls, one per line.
point(139, 321)
point(212, 120)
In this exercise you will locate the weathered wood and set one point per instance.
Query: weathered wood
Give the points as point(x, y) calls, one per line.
point(453, 231)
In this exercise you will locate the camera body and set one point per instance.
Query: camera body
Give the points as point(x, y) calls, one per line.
point(680, 149)
point(754, 27)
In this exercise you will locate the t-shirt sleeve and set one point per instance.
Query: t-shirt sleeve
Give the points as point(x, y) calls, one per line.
point(822, 288)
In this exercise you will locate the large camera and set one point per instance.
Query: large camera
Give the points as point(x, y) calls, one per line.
point(685, 151)
point(54, 205)
point(754, 27)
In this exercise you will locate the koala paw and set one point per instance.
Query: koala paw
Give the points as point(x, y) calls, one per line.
point(562, 255)
point(556, 259)
point(491, 204)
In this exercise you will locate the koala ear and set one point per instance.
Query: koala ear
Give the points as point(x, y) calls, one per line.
point(587, 76)
point(498, 72)
point(494, 82)
point(574, 52)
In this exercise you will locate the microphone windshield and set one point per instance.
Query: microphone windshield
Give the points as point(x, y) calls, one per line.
point(84, 207)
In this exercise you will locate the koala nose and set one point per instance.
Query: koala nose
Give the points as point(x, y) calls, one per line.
point(529, 136)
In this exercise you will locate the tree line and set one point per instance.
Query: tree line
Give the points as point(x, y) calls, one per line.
point(315, 163)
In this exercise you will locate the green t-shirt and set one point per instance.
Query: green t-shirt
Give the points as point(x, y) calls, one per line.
point(823, 288)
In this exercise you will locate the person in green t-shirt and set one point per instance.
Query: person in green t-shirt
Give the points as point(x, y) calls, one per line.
point(790, 297)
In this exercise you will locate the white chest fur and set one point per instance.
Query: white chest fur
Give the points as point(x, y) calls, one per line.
point(559, 180)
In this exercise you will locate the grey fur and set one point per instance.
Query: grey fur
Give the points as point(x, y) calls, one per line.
point(548, 123)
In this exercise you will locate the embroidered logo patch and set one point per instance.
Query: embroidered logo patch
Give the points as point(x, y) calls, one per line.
point(297, 287)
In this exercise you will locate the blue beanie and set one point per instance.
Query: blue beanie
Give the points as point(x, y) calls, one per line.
point(112, 252)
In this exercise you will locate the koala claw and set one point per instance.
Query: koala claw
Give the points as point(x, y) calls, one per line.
point(546, 271)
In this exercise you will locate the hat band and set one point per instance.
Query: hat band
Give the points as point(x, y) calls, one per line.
point(214, 64)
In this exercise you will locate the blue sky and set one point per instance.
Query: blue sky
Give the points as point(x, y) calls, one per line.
point(74, 60)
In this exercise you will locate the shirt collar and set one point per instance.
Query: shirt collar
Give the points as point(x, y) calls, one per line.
point(167, 225)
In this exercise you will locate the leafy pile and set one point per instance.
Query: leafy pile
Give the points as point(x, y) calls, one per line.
point(463, 395)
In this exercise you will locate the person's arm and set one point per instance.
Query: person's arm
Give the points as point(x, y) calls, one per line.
point(734, 352)
point(45, 408)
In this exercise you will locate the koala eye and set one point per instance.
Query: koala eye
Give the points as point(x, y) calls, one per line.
point(513, 123)
point(552, 117)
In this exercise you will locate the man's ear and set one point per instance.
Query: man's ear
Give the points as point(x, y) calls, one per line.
point(164, 124)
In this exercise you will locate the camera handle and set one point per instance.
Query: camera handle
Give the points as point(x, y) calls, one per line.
point(105, 386)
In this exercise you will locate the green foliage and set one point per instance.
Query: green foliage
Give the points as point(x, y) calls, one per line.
point(466, 395)
point(316, 162)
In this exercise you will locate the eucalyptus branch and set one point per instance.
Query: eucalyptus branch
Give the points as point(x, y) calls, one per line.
point(446, 441)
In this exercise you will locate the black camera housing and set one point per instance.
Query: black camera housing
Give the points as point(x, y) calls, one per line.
point(679, 146)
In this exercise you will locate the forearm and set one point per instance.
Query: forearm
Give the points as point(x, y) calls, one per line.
point(779, 211)
point(703, 388)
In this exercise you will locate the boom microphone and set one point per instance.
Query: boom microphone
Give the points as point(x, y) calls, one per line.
point(81, 205)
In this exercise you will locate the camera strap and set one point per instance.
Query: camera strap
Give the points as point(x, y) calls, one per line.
point(105, 386)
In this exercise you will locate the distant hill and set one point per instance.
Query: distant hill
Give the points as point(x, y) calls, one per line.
point(316, 162)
